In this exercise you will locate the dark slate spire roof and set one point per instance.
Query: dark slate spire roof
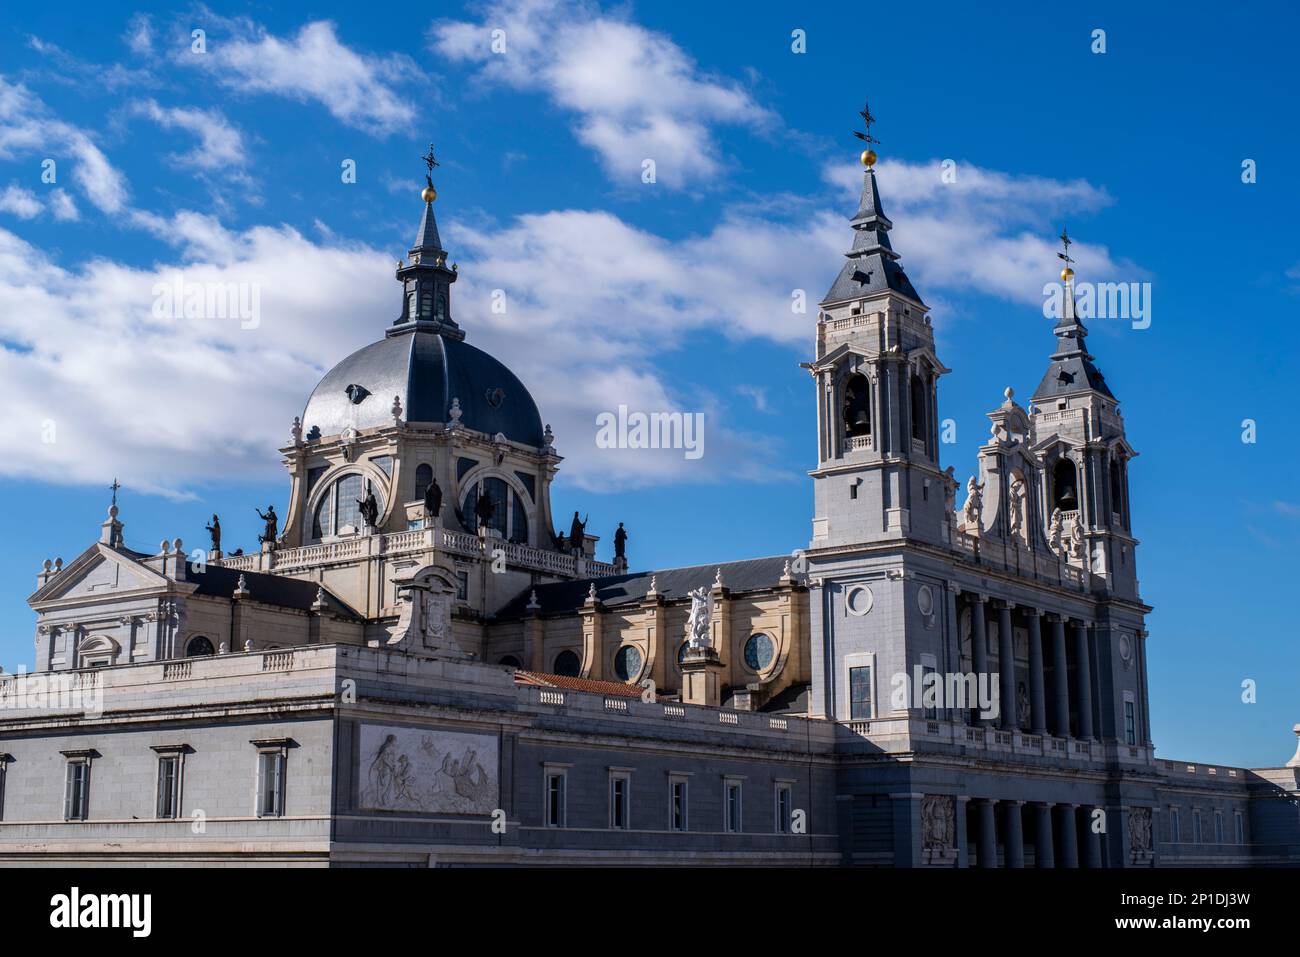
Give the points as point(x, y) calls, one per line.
point(872, 265)
point(427, 241)
point(1071, 369)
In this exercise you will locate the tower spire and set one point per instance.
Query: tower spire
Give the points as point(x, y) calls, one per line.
point(1071, 369)
point(872, 265)
point(426, 279)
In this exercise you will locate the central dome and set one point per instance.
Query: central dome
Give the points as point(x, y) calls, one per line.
point(426, 370)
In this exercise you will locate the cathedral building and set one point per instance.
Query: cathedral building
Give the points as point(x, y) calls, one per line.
point(417, 669)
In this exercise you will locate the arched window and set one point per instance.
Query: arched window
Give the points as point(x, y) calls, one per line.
point(857, 405)
point(919, 417)
point(1117, 490)
point(441, 312)
point(410, 304)
point(1065, 486)
point(510, 661)
point(199, 647)
point(509, 514)
point(338, 510)
point(426, 304)
point(567, 664)
point(423, 479)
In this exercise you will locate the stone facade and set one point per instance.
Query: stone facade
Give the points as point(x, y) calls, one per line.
point(923, 685)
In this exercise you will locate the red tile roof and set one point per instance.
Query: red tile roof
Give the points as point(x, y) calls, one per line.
point(542, 680)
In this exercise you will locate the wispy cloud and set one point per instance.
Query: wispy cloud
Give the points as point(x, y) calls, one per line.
point(634, 93)
point(368, 92)
point(221, 143)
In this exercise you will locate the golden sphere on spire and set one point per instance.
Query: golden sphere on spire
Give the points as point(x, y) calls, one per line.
point(868, 158)
point(429, 194)
point(1067, 274)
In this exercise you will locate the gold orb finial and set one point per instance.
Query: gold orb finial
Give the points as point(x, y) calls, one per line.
point(1067, 274)
point(429, 194)
point(868, 158)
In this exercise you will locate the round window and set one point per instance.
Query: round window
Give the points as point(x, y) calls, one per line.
point(759, 652)
point(567, 664)
point(627, 662)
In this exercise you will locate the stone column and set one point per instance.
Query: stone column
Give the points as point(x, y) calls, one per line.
point(1037, 695)
point(1069, 836)
point(1006, 668)
point(1044, 855)
point(1083, 673)
point(986, 847)
point(1060, 679)
point(1014, 839)
point(1092, 839)
point(963, 838)
point(702, 677)
point(979, 643)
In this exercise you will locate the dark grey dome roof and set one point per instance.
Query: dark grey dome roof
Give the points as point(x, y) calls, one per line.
point(426, 370)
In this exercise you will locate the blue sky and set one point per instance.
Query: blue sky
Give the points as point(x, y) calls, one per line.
point(226, 164)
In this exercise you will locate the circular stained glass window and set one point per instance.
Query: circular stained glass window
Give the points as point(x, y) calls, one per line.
point(759, 652)
point(627, 662)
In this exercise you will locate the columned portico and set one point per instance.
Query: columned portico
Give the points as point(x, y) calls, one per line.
point(1083, 678)
point(1013, 840)
point(979, 643)
point(1060, 679)
point(1037, 693)
point(1007, 720)
point(986, 847)
point(1044, 852)
point(1067, 830)
point(1092, 836)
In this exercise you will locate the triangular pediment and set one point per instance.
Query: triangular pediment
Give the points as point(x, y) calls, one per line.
point(99, 571)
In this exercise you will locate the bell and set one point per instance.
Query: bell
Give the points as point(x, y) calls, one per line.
point(1068, 502)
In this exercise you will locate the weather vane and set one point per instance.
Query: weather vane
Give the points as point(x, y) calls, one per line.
point(868, 156)
point(1067, 273)
point(115, 486)
point(430, 162)
point(867, 119)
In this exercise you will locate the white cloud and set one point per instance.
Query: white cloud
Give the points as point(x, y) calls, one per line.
point(372, 93)
point(20, 202)
point(221, 144)
point(987, 232)
point(27, 127)
point(635, 93)
point(139, 34)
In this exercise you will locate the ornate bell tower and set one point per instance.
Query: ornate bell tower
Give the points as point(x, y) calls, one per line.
point(1079, 435)
point(877, 475)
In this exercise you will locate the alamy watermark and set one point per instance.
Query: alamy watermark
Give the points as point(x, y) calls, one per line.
point(1100, 300)
point(929, 689)
point(651, 430)
point(79, 691)
point(180, 298)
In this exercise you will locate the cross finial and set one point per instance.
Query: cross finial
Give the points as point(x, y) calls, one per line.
point(430, 162)
point(867, 120)
point(115, 486)
point(1066, 242)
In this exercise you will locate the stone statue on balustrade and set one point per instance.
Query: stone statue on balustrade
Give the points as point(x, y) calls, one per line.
point(432, 502)
point(271, 531)
point(973, 510)
point(369, 507)
point(699, 623)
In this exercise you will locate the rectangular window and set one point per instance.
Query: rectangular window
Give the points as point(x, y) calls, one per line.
point(860, 693)
point(620, 786)
point(677, 800)
point(462, 586)
point(733, 820)
point(555, 798)
point(1196, 827)
point(76, 795)
point(929, 691)
point(1238, 816)
point(1130, 723)
point(1175, 826)
point(784, 808)
point(270, 783)
point(1218, 827)
point(169, 785)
